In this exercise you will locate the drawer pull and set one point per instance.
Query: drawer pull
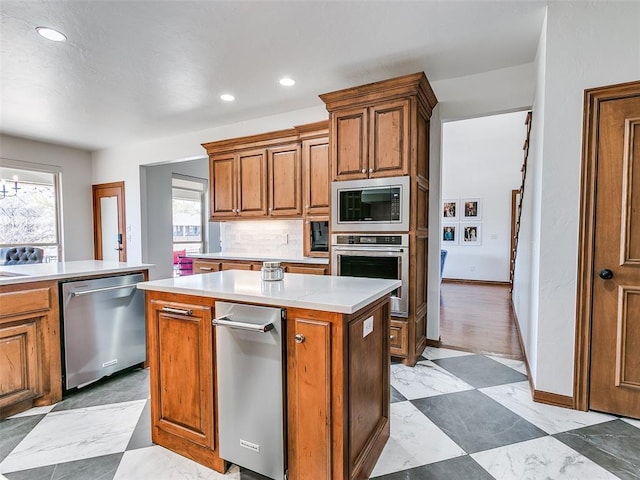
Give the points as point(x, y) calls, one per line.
point(206, 269)
point(178, 311)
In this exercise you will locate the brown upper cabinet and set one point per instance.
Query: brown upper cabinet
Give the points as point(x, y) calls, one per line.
point(261, 176)
point(370, 142)
point(372, 128)
point(314, 139)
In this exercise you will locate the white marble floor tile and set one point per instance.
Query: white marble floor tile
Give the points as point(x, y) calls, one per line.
point(434, 353)
point(415, 440)
point(158, 463)
point(517, 365)
point(426, 379)
point(35, 411)
point(517, 398)
point(631, 421)
point(540, 459)
point(75, 434)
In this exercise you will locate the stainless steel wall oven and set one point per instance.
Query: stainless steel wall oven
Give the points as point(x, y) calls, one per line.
point(375, 256)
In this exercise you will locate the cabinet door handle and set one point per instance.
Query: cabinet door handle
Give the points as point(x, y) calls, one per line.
point(299, 338)
point(364, 170)
point(178, 311)
point(370, 170)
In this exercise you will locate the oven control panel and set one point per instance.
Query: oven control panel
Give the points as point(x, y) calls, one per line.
point(368, 240)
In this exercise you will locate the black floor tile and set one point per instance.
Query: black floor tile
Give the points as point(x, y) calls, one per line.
point(480, 371)
point(459, 468)
point(613, 445)
point(96, 468)
point(475, 421)
point(141, 436)
point(121, 387)
point(250, 475)
point(13, 431)
point(396, 396)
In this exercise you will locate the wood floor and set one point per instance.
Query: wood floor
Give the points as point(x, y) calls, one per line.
point(478, 318)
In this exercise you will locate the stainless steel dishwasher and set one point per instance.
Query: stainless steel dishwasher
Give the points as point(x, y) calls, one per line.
point(103, 327)
point(251, 381)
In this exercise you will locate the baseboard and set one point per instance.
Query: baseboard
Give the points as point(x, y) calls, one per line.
point(475, 282)
point(539, 395)
point(433, 343)
point(552, 399)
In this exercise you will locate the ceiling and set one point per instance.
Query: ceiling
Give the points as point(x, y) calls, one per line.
point(135, 70)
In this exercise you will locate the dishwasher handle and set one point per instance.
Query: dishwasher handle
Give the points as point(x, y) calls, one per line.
point(80, 293)
point(227, 322)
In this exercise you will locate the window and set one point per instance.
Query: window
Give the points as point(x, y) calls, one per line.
point(29, 213)
point(188, 214)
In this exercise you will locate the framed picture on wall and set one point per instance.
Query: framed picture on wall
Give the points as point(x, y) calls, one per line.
point(449, 234)
point(450, 209)
point(470, 233)
point(471, 209)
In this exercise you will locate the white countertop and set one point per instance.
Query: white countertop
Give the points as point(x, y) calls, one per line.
point(315, 292)
point(36, 272)
point(258, 258)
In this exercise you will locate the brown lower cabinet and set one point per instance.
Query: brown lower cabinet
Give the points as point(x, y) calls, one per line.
point(201, 265)
point(337, 386)
point(30, 367)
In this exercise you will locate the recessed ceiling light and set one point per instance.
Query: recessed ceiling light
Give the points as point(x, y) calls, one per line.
point(287, 82)
point(227, 97)
point(51, 34)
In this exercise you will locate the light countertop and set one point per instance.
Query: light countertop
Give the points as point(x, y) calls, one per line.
point(258, 258)
point(36, 272)
point(314, 292)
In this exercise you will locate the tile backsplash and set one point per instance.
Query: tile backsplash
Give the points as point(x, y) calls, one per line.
point(272, 238)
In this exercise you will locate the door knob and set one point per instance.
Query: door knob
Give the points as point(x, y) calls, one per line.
point(606, 274)
point(299, 338)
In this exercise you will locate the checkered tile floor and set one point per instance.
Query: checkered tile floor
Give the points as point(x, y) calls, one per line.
point(454, 415)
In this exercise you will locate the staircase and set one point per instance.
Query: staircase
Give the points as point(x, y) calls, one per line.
point(520, 195)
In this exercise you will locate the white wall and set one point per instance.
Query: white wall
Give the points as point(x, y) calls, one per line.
point(588, 44)
point(77, 212)
point(156, 228)
point(433, 260)
point(525, 284)
point(122, 163)
point(481, 158)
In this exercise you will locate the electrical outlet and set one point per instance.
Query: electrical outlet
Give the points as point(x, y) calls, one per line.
point(285, 238)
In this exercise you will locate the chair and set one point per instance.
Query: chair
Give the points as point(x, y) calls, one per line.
point(21, 255)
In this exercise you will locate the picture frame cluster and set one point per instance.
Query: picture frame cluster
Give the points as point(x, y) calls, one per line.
point(461, 223)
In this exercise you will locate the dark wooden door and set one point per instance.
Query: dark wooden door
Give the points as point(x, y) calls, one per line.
point(109, 222)
point(615, 312)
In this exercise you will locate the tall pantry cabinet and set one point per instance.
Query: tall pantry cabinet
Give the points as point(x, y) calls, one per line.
point(382, 130)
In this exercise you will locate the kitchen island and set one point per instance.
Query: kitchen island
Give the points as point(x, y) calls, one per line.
point(30, 328)
point(337, 367)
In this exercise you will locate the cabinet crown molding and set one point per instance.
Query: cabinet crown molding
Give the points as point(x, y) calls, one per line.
point(399, 87)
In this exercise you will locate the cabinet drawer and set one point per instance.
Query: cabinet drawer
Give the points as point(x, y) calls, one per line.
point(200, 266)
point(306, 269)
point(24, 301)
point(239, 266)
point(398, 338)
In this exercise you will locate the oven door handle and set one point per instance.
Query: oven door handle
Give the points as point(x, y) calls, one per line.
point(372, 250)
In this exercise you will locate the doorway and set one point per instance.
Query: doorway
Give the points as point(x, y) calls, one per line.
point(608, 307)
point(109, 223)
point(481, 166)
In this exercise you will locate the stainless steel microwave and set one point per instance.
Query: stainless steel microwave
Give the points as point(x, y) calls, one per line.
point(371, 205)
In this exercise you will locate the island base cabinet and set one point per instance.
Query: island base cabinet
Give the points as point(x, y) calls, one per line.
point(338, 392)
point(182, 377)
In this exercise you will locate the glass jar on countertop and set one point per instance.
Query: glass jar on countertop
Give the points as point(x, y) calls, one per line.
point(271, 271)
